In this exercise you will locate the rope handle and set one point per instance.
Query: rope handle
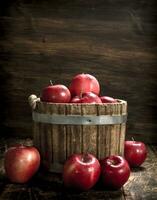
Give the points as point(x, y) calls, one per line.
point(32, 100)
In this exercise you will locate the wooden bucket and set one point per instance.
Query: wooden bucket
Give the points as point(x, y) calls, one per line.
point(63, 129)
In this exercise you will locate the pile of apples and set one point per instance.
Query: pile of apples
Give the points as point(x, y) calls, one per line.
point(84, 88)
point(81, 171)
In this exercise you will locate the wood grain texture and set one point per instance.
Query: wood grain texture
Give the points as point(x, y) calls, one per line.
point(142, 183)
point(113, 40)
point(89, 132)
point(56, 142)
point(74, 133)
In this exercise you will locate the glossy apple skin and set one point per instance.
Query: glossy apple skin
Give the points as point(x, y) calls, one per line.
point(21, 163)
point(90, 97)
point(56, 94)
point(83, 83)
point(87, 97)
point(115, 171)
point(106, 99)
point(81, 171)
point(76, 99)
point(135, 153)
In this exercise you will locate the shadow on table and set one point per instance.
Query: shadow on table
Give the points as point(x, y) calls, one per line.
point(138, 169)
point(53, 183)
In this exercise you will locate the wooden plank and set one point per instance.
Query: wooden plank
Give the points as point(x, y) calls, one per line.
point(108, 133)
point(94, 194)
point(62, 135)
point(102, 134)
point(15, 192)
point(118, 129)
point(36, 132)
point(113, 137)
point(142, 183)
point(122, 129)
point(48, 140)
point(55, 138)
point(109, 141)
point(74, 132)
point(66, 38)
point(89, 132)
point(42, 132)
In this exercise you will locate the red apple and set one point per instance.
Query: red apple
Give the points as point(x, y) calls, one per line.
point(87, 97)
point(76, 99)
point(106, 99)
point(115, 171)
point(82, 83)
point(21, 163)
point(135, 153)
point(81, 171)
point(56, 94)
point(90, 97)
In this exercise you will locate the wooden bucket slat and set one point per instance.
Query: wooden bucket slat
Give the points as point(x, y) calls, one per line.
point(89, 132)
point(101, 134)
point(55, 137)
point(43, 133)
point(62, 135)
point(74, 132)
point(55, 144)
point(108, 134)
point(118, 130)
point(123, 129)
point(48, 140)
point(113, 133)
point(36, 131)
point(36, 135)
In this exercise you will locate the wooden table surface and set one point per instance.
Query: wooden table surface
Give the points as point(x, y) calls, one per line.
point(142, 183)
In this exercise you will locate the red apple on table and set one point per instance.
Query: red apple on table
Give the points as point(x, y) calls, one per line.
point(87, 97)
point(83, 83)
point(56, 94)
point(21, 163)
point(115, 171)
point(81, 171)
point(107, 99)
point(135, 153)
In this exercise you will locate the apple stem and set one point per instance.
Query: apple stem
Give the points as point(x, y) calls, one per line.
point(132, 139)
point(85, 157)
point(51, 82)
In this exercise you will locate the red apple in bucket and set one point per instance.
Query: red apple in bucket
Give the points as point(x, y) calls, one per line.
point(76, 99)
point(21, 163)
point(135, 153)
point(107, 99)
point(56, 94)
point(83, 83)
point(115, 171)
point(88, 97)
point(81, 171)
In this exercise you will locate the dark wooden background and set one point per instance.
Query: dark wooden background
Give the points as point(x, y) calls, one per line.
point(115, 40)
